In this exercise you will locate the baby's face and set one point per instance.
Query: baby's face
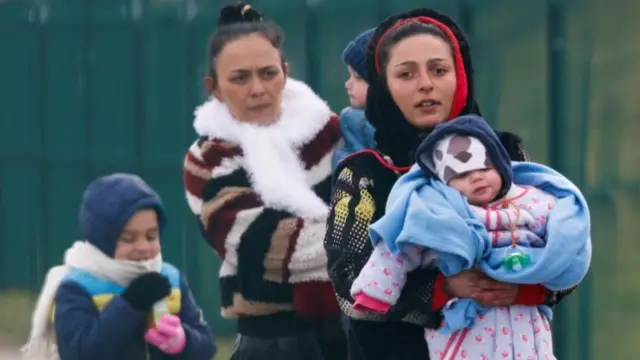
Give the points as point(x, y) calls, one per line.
point(479, 186)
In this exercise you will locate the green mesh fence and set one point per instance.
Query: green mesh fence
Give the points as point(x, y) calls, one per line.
point(90, 87)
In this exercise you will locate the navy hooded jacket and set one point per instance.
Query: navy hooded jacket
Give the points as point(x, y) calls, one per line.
point(117, 332)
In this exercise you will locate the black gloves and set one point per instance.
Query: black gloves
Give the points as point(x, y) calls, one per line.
point(146, 290)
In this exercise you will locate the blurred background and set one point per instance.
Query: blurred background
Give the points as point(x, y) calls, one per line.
point(89, 87)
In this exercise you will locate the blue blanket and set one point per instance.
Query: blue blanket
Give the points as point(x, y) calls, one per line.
point(423, 211)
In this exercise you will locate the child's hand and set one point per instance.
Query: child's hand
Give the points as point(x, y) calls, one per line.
point(145, 290)
point(168, 335)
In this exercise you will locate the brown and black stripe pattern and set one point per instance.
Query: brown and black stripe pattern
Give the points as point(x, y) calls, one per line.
point(256, 243)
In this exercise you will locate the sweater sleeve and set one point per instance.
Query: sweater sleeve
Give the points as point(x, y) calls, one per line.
point(275, 257)
point(349, 247)
point(84, 332)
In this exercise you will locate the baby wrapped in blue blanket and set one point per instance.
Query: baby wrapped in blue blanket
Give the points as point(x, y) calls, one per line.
point(466, 205)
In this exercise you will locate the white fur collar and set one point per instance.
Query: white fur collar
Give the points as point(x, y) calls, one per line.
point(303, 115)
point(271, 153)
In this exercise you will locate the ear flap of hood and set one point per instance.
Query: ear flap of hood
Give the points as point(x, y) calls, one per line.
point(394, 136)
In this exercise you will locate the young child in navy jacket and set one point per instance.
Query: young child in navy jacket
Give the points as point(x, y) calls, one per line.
point(114, 297)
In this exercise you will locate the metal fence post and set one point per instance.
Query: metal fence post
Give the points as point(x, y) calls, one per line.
point(556, 93)
point(312, 56)
point(584, 339)
point(465, 10)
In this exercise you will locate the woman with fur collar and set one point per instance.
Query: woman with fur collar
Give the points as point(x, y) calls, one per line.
point(259, 180)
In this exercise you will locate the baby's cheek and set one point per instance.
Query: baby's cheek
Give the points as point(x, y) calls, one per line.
point(460, 185)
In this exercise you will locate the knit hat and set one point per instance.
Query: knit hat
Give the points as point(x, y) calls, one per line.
point(464, 144)
point(354, 54)
point(108, 204)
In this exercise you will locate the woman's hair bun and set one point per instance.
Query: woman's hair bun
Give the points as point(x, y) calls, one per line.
point(238, 13)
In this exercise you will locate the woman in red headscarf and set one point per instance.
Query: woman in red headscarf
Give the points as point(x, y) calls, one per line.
point(419, 64)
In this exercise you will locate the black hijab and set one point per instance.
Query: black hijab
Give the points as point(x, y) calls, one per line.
point(394, 136)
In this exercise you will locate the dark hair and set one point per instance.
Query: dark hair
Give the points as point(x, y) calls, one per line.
point(394, 135)
point(408, 29)
point(237, 21)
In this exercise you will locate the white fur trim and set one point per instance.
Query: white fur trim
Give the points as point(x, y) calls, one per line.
point(303, 115)
point(271, 152)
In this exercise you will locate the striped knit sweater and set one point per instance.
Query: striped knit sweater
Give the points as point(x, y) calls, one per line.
point(260, 194)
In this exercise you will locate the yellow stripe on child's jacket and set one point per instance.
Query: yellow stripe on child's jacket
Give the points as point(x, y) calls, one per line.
point(103, 291)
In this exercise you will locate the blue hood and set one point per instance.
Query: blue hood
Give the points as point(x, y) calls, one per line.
point(108, 204)
point(470, 125)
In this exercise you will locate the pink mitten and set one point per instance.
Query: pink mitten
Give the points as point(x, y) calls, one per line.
point(168, 335)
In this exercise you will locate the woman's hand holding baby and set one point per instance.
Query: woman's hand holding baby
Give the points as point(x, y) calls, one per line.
point(476, 285)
